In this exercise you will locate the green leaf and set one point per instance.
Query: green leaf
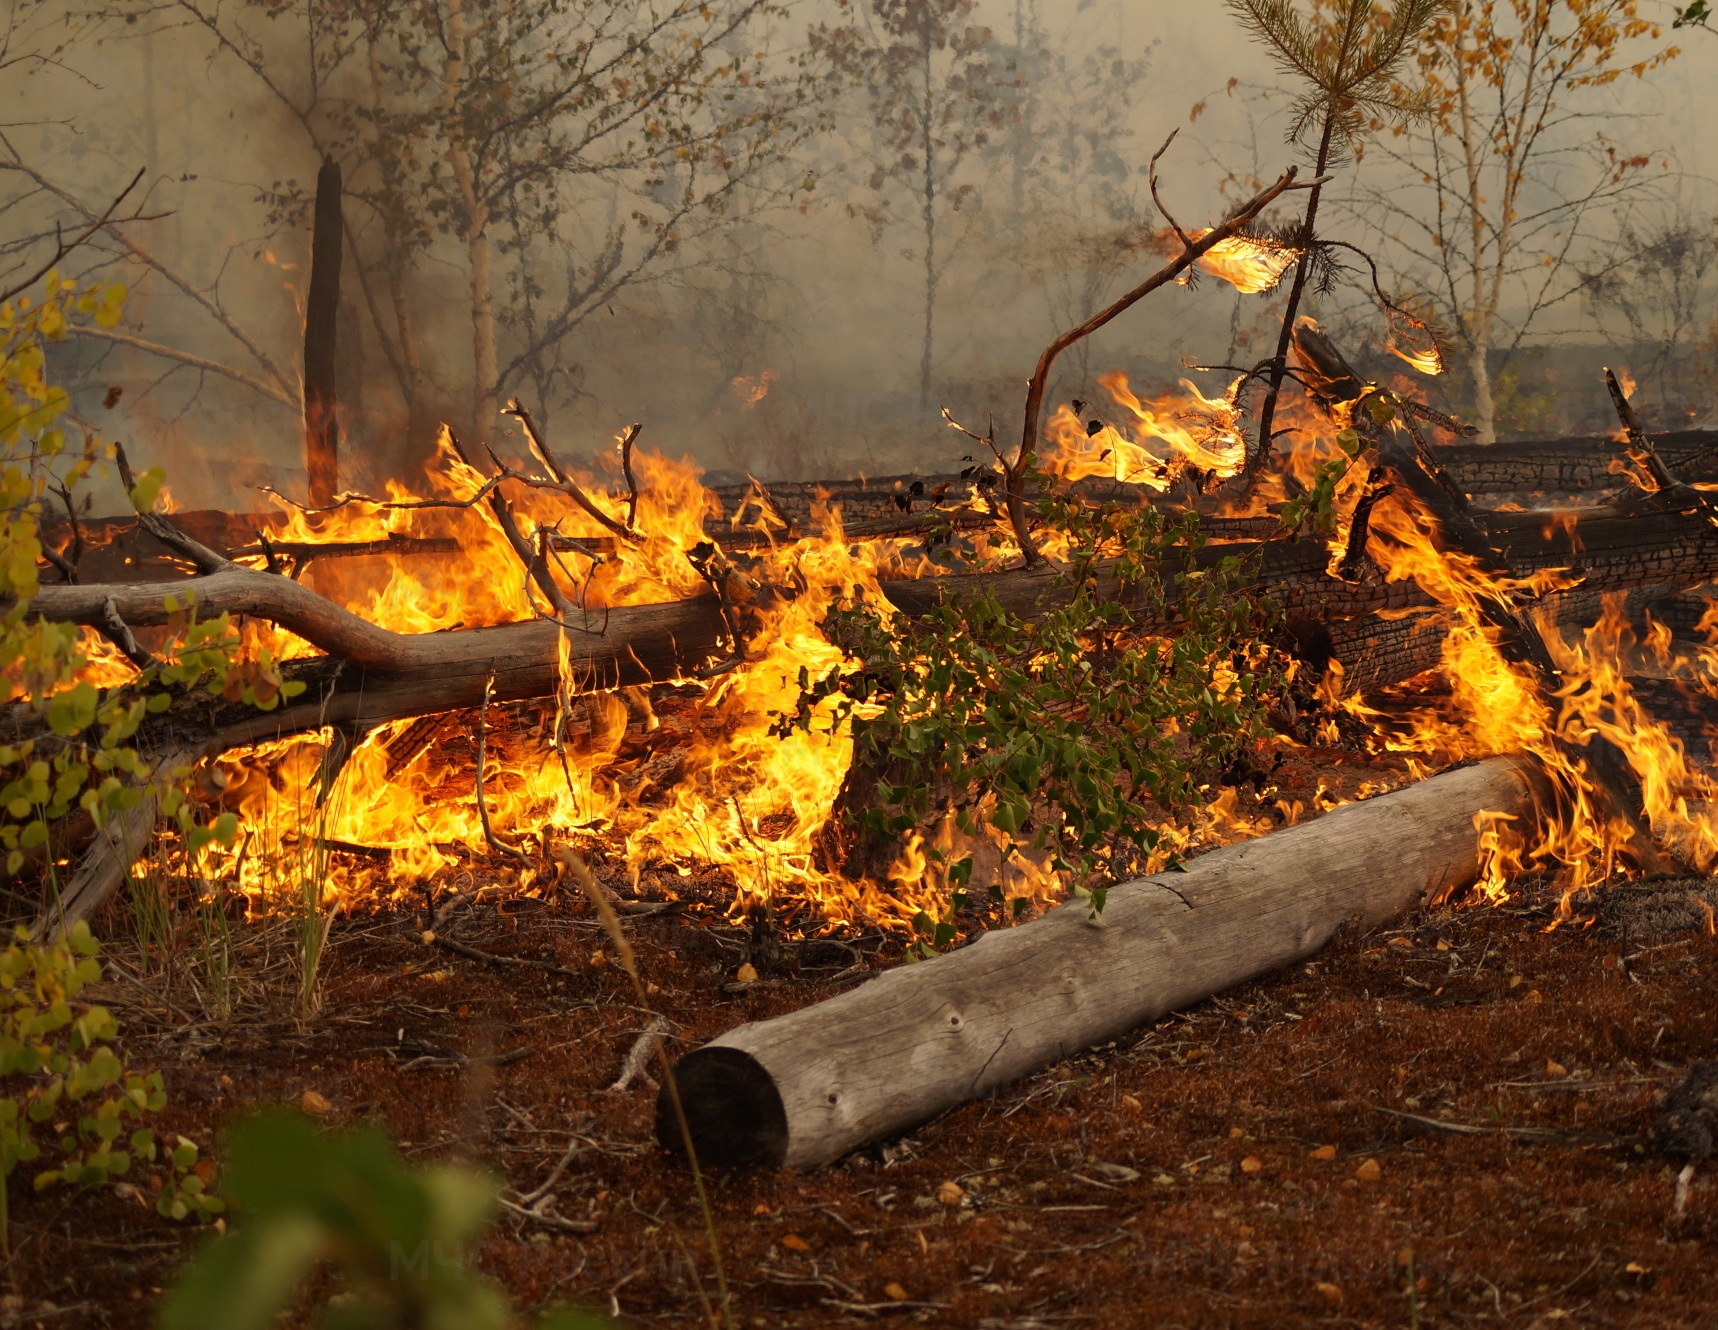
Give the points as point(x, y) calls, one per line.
point(244, 1280)
point(148, 488)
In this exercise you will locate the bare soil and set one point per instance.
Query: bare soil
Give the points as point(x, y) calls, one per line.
point(1447, 1122)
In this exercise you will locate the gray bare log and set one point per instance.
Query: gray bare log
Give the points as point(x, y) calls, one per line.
point(806, 1088)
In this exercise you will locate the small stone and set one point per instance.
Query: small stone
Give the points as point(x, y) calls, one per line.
point(1325, 1152)
point(746, 974)
point(951, 1193)
point(894, 1292)
point(429, 937)
point(1331, 1293)
point(793, 1242)
point(311, 1102)
point(1252, 1164)
point(1369, 1171)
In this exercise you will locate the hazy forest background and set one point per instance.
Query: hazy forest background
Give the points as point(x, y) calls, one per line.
point(733, 236)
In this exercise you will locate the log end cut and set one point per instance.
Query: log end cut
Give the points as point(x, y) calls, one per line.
point(732, 1106)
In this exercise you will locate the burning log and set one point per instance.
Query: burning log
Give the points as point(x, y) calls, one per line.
point(806, 1088)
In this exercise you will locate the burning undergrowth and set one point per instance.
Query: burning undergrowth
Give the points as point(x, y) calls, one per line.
point(839, 754)
point(744, 764)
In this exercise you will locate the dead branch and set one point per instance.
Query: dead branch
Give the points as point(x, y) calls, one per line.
point(117, 631)
point(643, 1048)
point(626, 442)
point(302, 553)
point(282, 383)
point(168, 532)
point(563, 481)
point(64, 247)
point(1239, 217)
point(490, 838)
point(195, 361)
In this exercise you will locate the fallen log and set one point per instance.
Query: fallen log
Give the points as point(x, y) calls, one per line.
point(372, 675)
point(806, 1088)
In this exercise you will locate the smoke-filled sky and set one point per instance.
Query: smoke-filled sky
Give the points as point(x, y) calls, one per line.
point(788, 344)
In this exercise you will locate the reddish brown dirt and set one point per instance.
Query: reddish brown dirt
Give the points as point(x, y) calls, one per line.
point(1278, 1181)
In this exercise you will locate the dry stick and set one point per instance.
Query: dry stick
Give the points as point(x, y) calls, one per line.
point(490, 958)
point(303, 553)
point(1641, 451)
point(117, 631)
point(563, 479)
point(1360, 524)
point(67, 562)
point(626, 442)
point(385, 505)
point(168, 532)
point(629, 962)
point(1242, 215)
point(495, 843)
point(538, 1193)
point(503, 511)
point(639, 1054)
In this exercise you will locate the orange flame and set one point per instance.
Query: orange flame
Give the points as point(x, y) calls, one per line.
point(1250, 264)
point(1169, 435)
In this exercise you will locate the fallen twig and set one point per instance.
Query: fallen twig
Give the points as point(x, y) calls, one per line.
point(490, 958)
point(639, 1054)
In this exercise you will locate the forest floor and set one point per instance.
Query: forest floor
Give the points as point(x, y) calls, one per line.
point(1444, 1123)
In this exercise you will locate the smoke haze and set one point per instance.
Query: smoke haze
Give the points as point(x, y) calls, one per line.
point(784, 337)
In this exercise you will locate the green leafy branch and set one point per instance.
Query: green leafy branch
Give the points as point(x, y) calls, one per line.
point(58, 1068)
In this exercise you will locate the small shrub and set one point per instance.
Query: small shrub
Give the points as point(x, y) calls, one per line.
point(1069, 735)
point(65, 1096)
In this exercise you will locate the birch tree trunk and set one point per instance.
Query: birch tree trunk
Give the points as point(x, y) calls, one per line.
point(806, 1088)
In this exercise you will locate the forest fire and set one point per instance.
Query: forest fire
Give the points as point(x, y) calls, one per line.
point(709, 776)
point(734, 789)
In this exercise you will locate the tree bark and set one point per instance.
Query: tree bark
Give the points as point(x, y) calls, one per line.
point(479, 260)
point(809, 1087)
point(321, 341)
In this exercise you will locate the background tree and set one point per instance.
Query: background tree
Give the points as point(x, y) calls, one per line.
point(936, 94)
point(1078, 218)
point(577, 142)
point(1503, 185)
point(1658, 300)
